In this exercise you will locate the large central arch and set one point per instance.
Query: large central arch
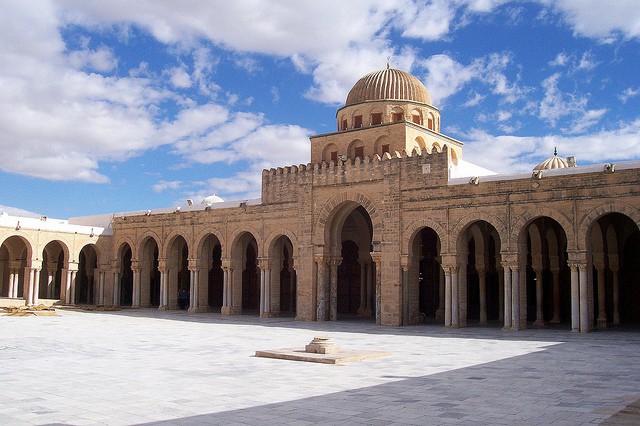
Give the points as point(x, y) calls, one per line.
point(346, 275)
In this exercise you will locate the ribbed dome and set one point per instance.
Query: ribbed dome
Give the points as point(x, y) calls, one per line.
point(554, 162)
point(388, 84)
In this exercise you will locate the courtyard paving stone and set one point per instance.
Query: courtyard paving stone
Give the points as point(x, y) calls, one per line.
point(169, 367)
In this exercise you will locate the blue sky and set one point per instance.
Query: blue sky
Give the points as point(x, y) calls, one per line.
point(110, 106)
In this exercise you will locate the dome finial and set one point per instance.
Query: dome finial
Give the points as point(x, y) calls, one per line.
point(555, 151)
point(388, 62)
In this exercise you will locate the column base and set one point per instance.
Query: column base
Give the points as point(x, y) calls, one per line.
point(602, 323)
point(555, 321)
point(538, 323)
point(483, 323)
point(269, 315)
point(196, 310)
point(228, 310)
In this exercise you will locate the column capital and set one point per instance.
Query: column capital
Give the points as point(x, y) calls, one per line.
point(376, 256)
point(335, 260)
point(264, 263)
point(320, 258)
point(404, 261)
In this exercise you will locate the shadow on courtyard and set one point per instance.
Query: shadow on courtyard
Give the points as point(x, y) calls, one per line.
point(560, 384)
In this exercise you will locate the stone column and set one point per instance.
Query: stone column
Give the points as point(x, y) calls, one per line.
point(321, 283)
point(575, 297)
point(441, 294)
point(227, 288)
point(116, 289)
point(500, 272)
point(482, 283)
point(35, 286)
point(447, 297)
point(101, 278)
point(584, 298)
point(265, 287)
point(12, 284)
point(515, 297)
point(333, 289)
point(602, 295)
point(164, 290)
point(455, 317)
point(506, 270)
point(137, 271)
point(539, 298)
point(194, 284)
point(377, 260)
point(404, 264)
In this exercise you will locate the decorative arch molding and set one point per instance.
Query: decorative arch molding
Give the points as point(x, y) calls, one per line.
point(202, 236)
point(471, 218)
point(526, 218)
point(410, 232)
point(592, 216)
point(100, 252)
point(64, 244)
point(27, 242)
point(237, 233)
point(273, 237)
point(142, 240)
point(168, 242)
point(331, 207)
point(118, 245)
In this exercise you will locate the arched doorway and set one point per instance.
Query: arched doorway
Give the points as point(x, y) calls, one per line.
point(212, 254)
point(126, 276)
point(149, 275)
point(481, 289)
point(245, 260)
point(14, 253)
point(547, 275)
point(426, 279)
point(283, 282)
point(53, 264)
point(179, 276)
point(85, 280)
point(615, 249)
point(349, 291)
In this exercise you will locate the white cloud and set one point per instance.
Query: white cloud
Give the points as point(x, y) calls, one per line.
point(628, 93)
point(101, 60)
point(447, 77)
point(474, 100)
point(514, 154)
point(605, 21)
point(163, 185)
point(556, 106)
point(179, 78)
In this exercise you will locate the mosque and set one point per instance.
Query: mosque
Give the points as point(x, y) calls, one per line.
point(387, 222)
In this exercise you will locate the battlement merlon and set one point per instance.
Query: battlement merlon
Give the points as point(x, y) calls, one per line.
point(426, 169)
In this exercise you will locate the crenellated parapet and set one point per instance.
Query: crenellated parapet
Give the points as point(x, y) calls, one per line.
point(284, 184)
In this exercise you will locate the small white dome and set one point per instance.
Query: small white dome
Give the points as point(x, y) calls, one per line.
point(211, 199)
point(554, 162)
